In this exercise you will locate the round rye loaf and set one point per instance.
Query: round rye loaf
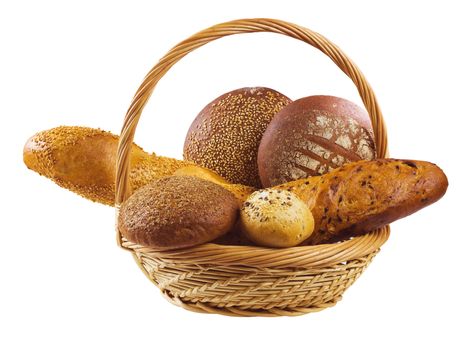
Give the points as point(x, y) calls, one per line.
point(311, 136)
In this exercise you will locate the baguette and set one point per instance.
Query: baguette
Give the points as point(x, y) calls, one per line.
point(83, 160)
point(365, 195)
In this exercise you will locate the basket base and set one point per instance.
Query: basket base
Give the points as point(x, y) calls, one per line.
point(248, 291)
point(241, 312)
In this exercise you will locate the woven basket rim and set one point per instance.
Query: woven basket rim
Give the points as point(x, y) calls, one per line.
point(309, 256)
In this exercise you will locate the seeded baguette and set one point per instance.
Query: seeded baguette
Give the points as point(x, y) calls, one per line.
point(365, 195)
point(83, 160)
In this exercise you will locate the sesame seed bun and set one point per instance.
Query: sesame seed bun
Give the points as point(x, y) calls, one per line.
point(225, 136)
point(276, 218)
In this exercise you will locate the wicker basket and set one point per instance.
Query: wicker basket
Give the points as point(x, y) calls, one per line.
point(245, 280)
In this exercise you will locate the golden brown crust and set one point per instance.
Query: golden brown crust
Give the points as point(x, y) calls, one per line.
point(177, 212)
point(362, 196)
point(241, 192)
point(311, 136)
point(83, 160)
point(276, 218)
point(225, 136)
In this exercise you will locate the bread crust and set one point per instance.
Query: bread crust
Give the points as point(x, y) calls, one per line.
point(365, 195)
point(83, 160)
point(276, 219)
point(311, 136)
point(177, 212)
point(241, 192)
point(225, 135)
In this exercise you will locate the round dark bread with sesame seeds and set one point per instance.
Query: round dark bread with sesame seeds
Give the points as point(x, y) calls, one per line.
point(311, 136)
point(225, 136)
point(177, 212)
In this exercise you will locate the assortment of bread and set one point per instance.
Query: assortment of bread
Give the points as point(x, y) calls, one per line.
point(259, 169)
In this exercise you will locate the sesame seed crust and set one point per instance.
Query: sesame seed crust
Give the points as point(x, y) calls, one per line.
point(176, 212)
point(83, 159)
point(225, 136)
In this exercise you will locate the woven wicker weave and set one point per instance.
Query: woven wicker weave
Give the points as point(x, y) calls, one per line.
point(252, 281)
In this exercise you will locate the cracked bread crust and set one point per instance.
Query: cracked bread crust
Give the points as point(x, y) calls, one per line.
point(312, 136)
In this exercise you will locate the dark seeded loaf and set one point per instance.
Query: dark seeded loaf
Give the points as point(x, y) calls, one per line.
point(362, 196)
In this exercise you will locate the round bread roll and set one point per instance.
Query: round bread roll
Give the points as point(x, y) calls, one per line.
point(276, 218)
point(177, 212)
point(225, 136)
point(311, 136)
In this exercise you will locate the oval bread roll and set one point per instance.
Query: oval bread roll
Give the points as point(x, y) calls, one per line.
point(177, 212)
point(276, 218)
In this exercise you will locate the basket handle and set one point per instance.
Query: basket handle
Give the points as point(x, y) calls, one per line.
point(218, 31)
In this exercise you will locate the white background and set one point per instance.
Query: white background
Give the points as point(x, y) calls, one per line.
point(64, 282)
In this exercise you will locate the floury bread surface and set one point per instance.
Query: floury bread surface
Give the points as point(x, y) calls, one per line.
point(83, 160)
point(362, 196)
point(311, 136)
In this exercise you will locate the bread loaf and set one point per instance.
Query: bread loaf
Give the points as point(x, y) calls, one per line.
point(225, 135)
point(362, 196)
point(276, 218)
point(312, 136)
point(177, 212)
point(83, 160)
point(241, 192)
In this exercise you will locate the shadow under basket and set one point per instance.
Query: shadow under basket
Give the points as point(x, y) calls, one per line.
point(248, 280)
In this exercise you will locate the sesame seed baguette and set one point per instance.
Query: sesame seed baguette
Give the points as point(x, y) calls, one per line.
point(365, 195)
point(83, 160)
